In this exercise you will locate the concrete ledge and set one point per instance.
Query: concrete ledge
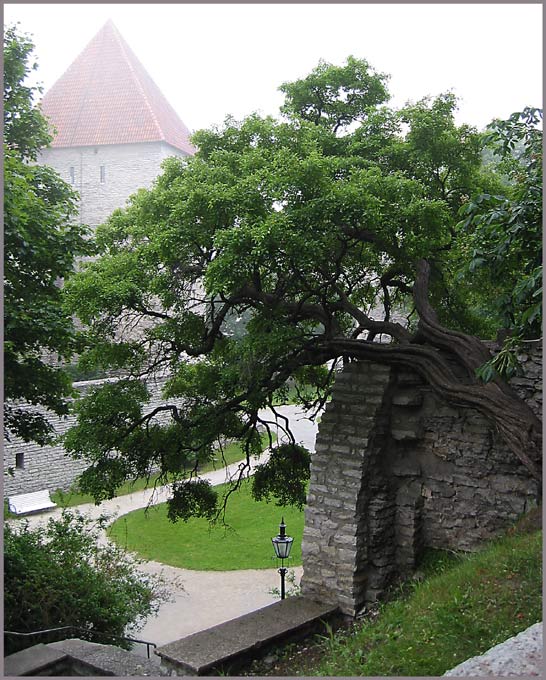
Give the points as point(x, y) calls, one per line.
point(74, 658)
point(233, 644)
point(520, 655)
point(34, 660)
point(104, 659)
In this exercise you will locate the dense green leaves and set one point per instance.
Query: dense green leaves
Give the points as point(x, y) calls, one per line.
point(194, 498)
point(25, 129)
point(336, 96)
point(444, 156)
point(504, 234)
point(59, 575)
point(41, 241)
point(284, 476)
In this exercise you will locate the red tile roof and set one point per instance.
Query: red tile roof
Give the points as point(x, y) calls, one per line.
point(107, 97)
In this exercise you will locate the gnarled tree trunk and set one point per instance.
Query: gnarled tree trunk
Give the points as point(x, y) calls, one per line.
point(429, 353)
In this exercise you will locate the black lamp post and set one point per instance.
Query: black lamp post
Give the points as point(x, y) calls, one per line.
point(282, 545)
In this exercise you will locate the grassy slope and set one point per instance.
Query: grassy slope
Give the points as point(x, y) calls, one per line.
point(244, 544)
point(465, 610)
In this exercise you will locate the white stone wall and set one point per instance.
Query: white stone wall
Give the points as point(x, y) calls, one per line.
point(50, 467)
point(127, 168)
point(43, 467)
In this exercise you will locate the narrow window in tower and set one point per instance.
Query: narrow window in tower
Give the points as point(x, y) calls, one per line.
point(72, 176)
point(102, 174)
point(20, 461)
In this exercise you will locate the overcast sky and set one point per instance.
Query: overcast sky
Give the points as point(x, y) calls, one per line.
point(219, 59)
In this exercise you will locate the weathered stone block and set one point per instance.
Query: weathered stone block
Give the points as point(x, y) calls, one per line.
point(464, 480)
point(333, 502)
point(346, 557)
point(340, 449)
point(406, 434)
point(406, 467)
point(309, 548)
point(510, 484)
point(408, 378)
point(345, 540)
point(407, 398)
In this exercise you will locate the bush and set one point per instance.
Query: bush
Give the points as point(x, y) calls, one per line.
point(59, 575)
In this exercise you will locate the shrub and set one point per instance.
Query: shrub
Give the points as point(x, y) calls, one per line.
point(60, 575)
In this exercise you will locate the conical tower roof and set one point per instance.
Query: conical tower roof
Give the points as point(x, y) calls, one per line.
point(107, 97)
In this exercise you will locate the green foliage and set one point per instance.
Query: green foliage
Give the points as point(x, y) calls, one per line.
point(459, 613)
point(40, 243)
point(293, 588)
point(192, 498)
point(299, 228)
point(59, 575)
point(444, 156)
point(336, 96)
point(284, 476)
point(25, 129)
point(504, 363)
point(224, 456)
point(106, 428)
point(503, 231)
point(241, 541)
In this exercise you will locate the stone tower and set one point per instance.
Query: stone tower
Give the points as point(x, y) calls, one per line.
point(112, 126)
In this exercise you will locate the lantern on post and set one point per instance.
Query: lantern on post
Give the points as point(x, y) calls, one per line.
point(282, 545)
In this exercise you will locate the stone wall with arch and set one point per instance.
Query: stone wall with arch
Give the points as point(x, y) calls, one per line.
point(397, 470)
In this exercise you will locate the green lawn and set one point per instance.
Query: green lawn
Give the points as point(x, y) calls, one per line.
point(470, 606)
point(244, 544)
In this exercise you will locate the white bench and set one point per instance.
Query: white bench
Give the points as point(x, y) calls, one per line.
point(30, 502)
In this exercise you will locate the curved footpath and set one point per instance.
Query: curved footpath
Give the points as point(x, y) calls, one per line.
point(200, 599)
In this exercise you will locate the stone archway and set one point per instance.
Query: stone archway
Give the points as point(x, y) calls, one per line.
point(397, 470)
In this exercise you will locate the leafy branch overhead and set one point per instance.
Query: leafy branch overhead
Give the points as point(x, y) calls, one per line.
point(283, 248)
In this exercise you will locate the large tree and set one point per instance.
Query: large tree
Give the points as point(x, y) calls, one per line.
point(302, 227)
point(41, 240)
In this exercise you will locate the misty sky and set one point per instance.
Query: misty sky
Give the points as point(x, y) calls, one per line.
point(219, 59)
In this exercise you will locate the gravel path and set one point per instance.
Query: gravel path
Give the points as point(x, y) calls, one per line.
point(206, 598)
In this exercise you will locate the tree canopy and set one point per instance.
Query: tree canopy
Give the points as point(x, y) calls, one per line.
point(41, 241)
point(322, 230)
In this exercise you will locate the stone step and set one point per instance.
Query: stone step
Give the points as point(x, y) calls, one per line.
point(233, 644)
point(74, 658)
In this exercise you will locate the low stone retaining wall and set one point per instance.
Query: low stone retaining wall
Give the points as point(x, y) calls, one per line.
point(232, 645)
point(521, 655)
